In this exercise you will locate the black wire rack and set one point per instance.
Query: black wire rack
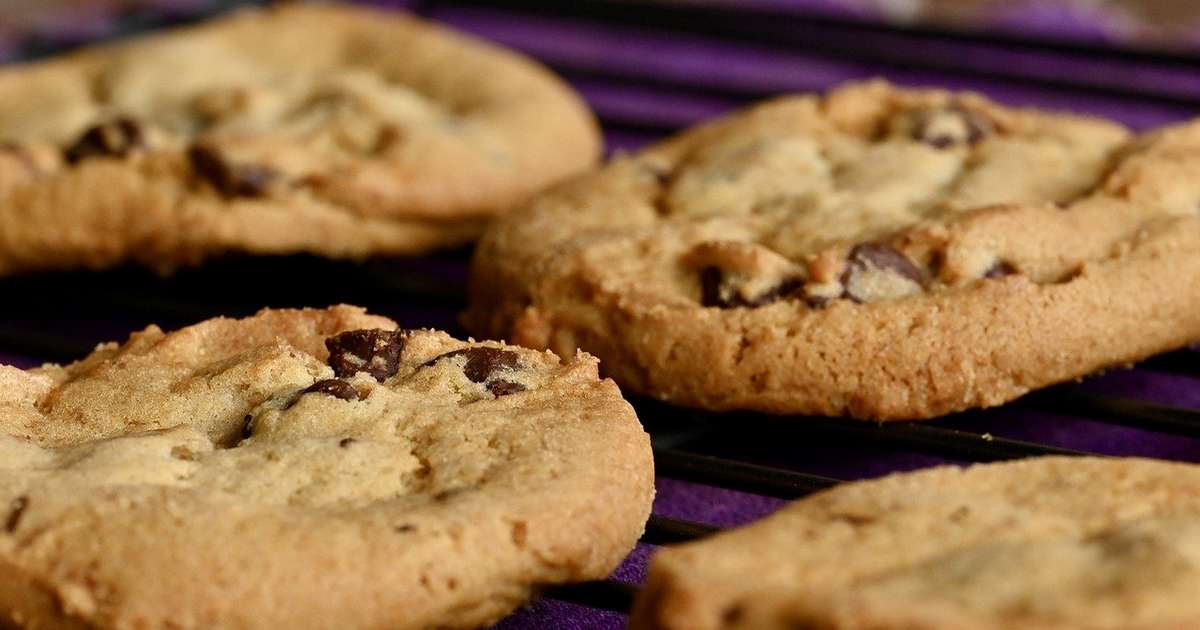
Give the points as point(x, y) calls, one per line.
point(60, 316)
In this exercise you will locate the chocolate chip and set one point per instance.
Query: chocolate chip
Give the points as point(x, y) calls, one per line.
point(885, 257)
point(710, 288)
point(857, 520)
point(786, 288)
point(868, 257)
point(406, 528)
point(1000, 269)
point(16, 510)
point(446, 494)
point(335, 387)
point(482, 362)
point(661, 174)
point(376, 352)
point(944, 128)
point(817, 301)
point(711, 279)
point(346, 442)
point(230, 179)
point(116, 138)
point(504, 388)
point(937, 260)
point(388, 137)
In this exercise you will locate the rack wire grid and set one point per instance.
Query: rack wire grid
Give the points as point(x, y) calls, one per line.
point(649, 70)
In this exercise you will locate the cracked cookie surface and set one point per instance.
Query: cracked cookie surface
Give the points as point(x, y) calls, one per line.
point(309, 469)
point(1038, 543)
point(875, 252)
point(336, 130)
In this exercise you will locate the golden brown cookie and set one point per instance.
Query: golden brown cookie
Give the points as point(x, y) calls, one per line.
point(336, 130)
point(309, 469)
point(1036, 544)
point(876, 252)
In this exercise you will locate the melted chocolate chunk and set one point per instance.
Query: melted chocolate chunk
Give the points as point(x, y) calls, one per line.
point(710, 288)
point(1000, 269)
point(817, 301)
point(335, 387)
point(447, 494)
point(501, 387)
point(482, 362)
point(787, 288)
point(16, 509)
point(661, 174)
point(376, 352)
point(867, 256)
point(230, 179)
point(710, 291)
point(116, 138)
point(733, 614)
point(950, 127)
point(346, 442)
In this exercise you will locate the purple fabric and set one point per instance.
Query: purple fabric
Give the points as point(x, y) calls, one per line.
point(753, 71)
point(1083, 22)
point(21, 361)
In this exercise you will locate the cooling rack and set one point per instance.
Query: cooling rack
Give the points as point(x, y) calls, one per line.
point(648, 70)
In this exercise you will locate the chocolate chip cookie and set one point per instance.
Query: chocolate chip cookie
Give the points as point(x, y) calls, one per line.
point(309, 469)
point(877, 252)
point(336, 130)
point(1044, 543)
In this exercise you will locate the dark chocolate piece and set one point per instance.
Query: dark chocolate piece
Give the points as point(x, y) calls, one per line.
point(1000, 269)
point(335, 387)
point(116, 138)
point(504, 388)
point(974, 128)
point(16, 511)
point(376, 352)
point(228, 178)
point(867, 256)
point(482, 362)
point(710, 291)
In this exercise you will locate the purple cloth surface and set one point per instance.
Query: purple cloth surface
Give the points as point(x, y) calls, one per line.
point(1081, 22)
point(727, 74)
point(21, 361)
point(644, 81)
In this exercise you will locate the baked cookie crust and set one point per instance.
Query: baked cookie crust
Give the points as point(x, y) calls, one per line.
point(330, 129)
point(877, 252)
point(309, 469)
point(1041, 543)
